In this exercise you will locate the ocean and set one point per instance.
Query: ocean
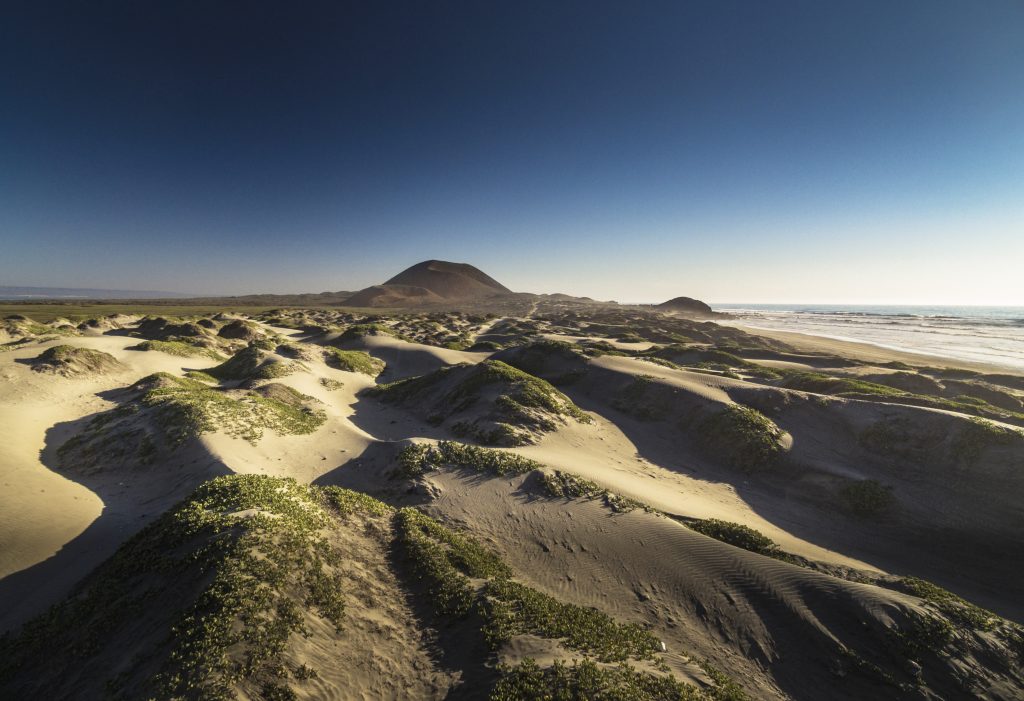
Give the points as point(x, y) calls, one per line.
point(993, 335)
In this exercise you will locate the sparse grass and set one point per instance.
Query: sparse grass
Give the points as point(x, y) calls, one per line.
point(417, 459)
point(248, 555)
point(179, 348)
point(838, 386)
point(515, 609)
point(253, 363)
point(330, 384)
point(354, 361)
point(584, 680)
point(638, 399)
point(369, 329)
point(181, 408)
point(738, 535)
point(525, 404)
point(952, 606)
point(562, 485)
point(742, 437)
point(977, 436)
point(866, 498)
point(347, 502)
point(448, 588)
point(71, 360)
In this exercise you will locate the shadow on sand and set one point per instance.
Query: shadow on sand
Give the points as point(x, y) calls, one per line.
point(132, 495)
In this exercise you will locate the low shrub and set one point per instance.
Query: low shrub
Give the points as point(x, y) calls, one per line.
point(742, 437)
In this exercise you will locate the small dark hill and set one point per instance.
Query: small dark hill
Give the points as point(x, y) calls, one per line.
point(432, 281)
point(685, 305)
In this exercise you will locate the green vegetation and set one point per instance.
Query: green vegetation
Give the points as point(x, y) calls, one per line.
point(168, 410)
point(187, 409)
point(641, 399)
point(562, 485)
point(71, 360)
point(253, 363)
point(742, 437)
point(978, 435)
point(952, 606)
point(898, 438)
point(417, 459)
point(838, 386)
point(179, 348)
point(247, 557)
point(346, 502)
point(738, 535)
point(515, 609)
point(525, 403)
point(442, 559)
point(866, 498)
point(331, 384)
point(354, 361)
point(585, 680)
point(202, 377)
point(369, 329)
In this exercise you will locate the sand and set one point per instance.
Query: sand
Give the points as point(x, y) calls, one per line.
point(773, 625)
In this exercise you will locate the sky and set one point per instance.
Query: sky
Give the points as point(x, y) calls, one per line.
point(830, 152)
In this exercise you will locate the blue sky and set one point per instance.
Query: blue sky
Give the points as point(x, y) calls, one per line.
point(732, 151)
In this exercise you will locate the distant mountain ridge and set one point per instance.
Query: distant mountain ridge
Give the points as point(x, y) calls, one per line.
point(8, 292)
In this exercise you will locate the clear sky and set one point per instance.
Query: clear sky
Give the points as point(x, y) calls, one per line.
point(732, 151)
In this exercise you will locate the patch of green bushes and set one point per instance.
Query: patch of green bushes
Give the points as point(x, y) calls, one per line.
point(417, 459)
point(584, 680)
point(738, 535)
point(741, 437)
point(179, 348)
point(515, 609)
point(978, 435)
point(563, 485)
point(952, 606)
point(866, 498)
point(354, 361)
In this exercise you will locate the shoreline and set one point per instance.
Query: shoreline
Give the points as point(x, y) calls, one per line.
point(872, 352)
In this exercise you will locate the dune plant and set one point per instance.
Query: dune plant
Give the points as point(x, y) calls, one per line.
point(741, 437)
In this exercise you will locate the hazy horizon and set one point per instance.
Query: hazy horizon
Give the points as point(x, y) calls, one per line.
point(860, 153)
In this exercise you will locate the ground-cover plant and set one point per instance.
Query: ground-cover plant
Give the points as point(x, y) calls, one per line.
point(585, 680)
point(417, 459)
point(441, 559)
point(366, 329)
point(179, 348)
point(739, 535)
point(353, 361)
point(952, 606)
point(515, 609)
point(329, 383)
point(246, 559)
point(254, 363)
point(742, 437)
point(838, 386)
point(977, 435)
point(70, 361)
point(165, 411)
point(641, 399)
point(346, 502)
point(563, 485)
point(866, 498)
point(523, 404)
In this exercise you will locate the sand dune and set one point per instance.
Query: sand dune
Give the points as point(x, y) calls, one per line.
point(831, 609)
